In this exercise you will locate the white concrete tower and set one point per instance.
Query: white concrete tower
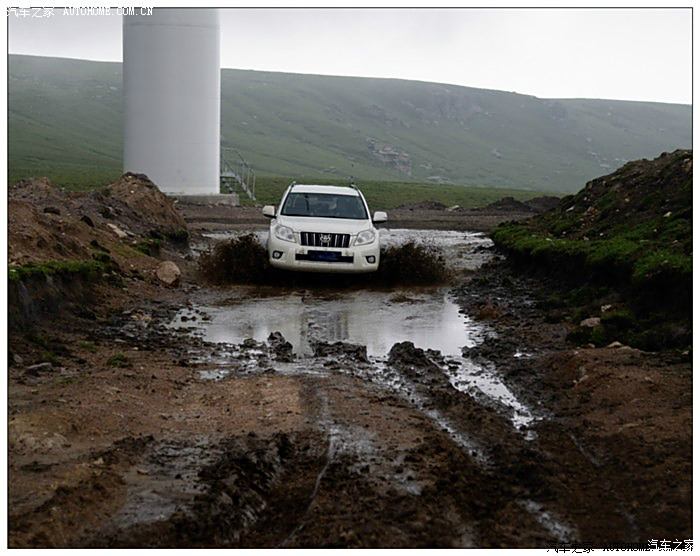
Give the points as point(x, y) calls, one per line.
point(172, 99)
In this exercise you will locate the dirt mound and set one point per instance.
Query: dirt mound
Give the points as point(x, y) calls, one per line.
point(407, 354)
point(282, 349)
point(341, 350)
point(47, 223)
point(543, 204)
point(625, 239)
point(243, 260)
point(640, 191)
point(423, 205)
point(143, 207)
point(61, 243)
point(509, 204)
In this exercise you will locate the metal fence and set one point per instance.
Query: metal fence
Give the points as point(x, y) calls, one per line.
point(235, 170)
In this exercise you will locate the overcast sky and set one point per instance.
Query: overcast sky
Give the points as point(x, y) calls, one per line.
point(630, 54)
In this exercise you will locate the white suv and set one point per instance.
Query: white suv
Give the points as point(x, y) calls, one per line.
point(323, 228)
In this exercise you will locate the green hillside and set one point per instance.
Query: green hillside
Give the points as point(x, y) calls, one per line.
point(65, 122)
point(625, 241)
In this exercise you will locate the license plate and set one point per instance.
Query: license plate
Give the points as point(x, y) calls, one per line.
point(326, 256)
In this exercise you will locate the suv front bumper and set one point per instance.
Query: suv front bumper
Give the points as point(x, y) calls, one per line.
point(292, 256)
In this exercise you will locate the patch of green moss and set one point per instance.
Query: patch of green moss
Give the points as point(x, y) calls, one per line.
point(662, 262)
point(149, 246)
point(87, 346)
point(119, 360)
point(178, 236)
point(629, 256)
point(87, 269)
point(50, 357)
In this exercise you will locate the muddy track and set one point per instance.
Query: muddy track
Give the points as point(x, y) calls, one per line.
point(218, 430)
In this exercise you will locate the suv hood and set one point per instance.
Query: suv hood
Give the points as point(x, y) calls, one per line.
point(325, 225)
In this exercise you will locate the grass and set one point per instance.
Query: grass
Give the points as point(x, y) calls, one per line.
point(65, 122)
point(72, 178)
point(149, 246)
point(119, 360)
point(636, 261)
point(87, 269)
point(381, 195)
point(389, 195)
point(624, 241)
point(87, 345)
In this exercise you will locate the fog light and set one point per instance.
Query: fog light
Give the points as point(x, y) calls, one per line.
point(371, 259)
point(276, 254)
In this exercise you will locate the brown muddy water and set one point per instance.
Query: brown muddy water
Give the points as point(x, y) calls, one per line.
point(428, 317)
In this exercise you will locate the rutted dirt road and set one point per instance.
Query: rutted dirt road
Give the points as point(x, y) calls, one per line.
point(241, 416)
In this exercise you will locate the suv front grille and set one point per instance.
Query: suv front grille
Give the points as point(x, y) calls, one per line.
point(320, 239)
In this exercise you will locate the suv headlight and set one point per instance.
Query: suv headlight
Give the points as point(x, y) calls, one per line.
point(365, 237)
point(284, 233)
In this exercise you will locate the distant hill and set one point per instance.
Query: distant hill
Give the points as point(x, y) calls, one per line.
point(65, 117)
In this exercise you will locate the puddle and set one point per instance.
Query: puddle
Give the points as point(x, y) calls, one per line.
point(167, 478)
point(429, 319)
point(470, 378)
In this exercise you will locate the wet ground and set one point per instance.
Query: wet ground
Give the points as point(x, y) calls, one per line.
point(247, 416)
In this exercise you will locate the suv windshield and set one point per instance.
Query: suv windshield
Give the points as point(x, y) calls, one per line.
point(324, 205)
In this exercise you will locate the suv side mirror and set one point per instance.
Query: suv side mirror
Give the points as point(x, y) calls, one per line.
point(379, 217)
point(269, 211)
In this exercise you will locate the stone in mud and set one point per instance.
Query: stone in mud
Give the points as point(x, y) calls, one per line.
point(36, 370)
point(168, 273)
point(281, 347)
point(250, 343)
point(52, 210)
point(406, 353)
point(590, 322)
point(354, 352)
point(121, 234)
point(87, 220)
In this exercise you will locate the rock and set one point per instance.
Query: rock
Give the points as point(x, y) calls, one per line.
point(107, 212)
point(121, 234)
point(591, 322)
point(354, 352)
point(168, 273)
point(97, 245)
point(36, 370)
point(17, 359)
point(281, 347)
point(250, 343)
point(85, 218)
point(52, 210)
point(605, 308)
point(453, 208)
point(615, 345)
point(406, 353)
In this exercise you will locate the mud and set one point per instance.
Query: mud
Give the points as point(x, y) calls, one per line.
point(243, 259)
point(455, 415)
